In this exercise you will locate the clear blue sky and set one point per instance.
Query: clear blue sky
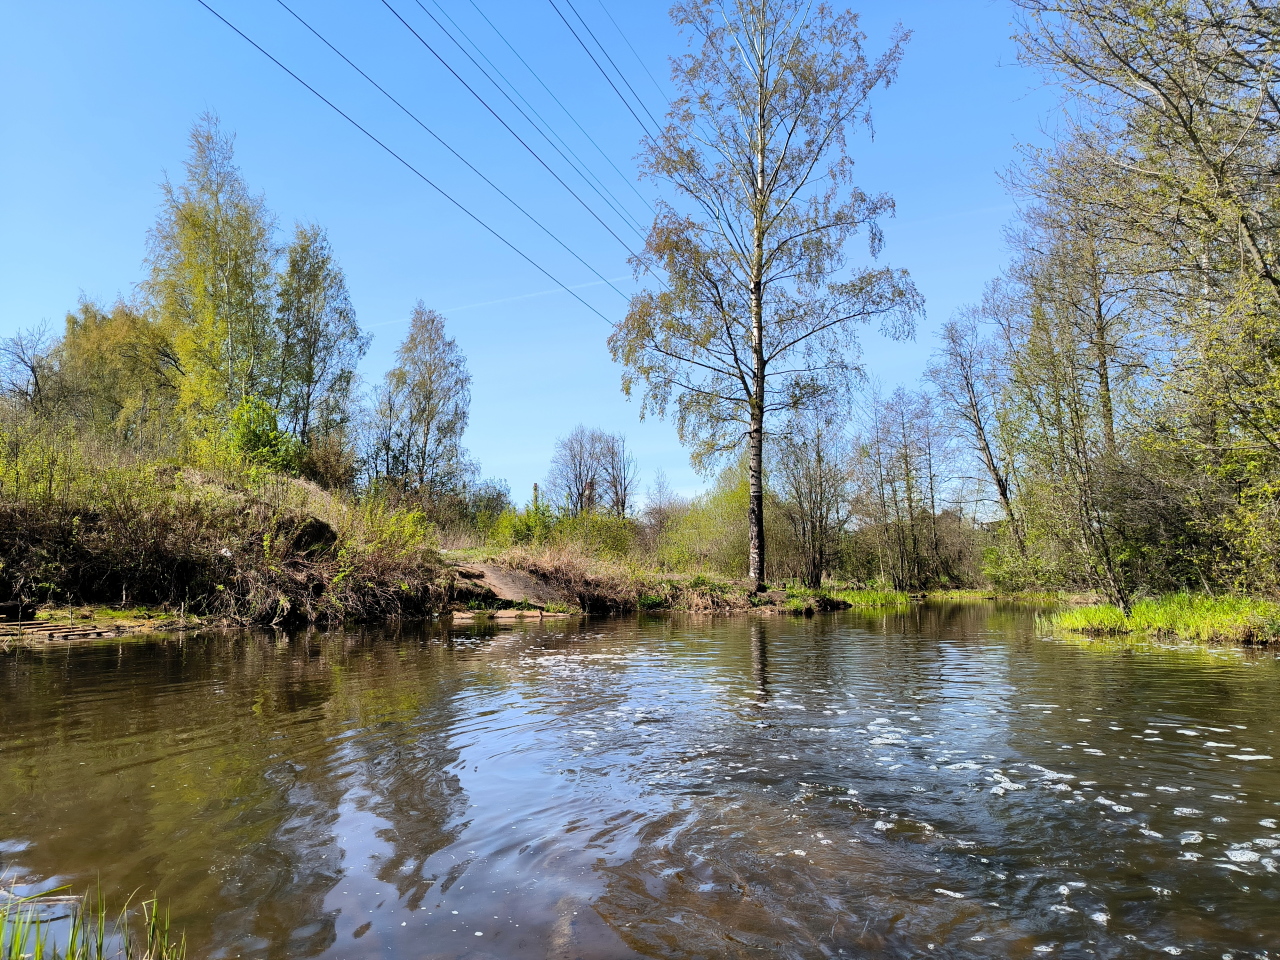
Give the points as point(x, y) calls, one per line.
point(96, 100)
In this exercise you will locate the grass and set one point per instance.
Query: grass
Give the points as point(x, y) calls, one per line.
point(81, 526)
point(1019, 596)
point(1184, 616)
point(30, 929)
point(871, 598)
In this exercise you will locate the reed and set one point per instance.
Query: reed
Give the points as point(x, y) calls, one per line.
point(46, 927)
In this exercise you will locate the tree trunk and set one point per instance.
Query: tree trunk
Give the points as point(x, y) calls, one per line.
point(755, 511)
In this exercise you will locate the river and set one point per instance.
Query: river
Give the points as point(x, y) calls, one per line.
point(939, 781)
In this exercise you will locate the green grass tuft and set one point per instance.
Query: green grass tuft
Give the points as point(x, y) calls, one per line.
point(30, 929)
point(1186, 616)
point(871, 598)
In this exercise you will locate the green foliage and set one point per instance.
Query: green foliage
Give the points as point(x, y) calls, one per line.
point(39, 928)
point(255, 435)
point(213, 277)
point(529, 527)
point(1182, 615)
point(871, 598)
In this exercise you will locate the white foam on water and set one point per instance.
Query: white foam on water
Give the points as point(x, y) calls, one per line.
point(1243, 856)
point(1186, 812)
point(1250, 756)
point(949, 893)
point(1100, 917)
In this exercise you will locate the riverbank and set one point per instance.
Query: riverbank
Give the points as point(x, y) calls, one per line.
point(222, 547)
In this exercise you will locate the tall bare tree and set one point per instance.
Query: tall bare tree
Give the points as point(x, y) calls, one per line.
point(618, 475)
point(757, 314)
point(966, 378)
point(574, 481)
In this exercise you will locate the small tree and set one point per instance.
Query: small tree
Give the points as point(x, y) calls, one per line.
point(320, 340)
point(420, 411)
point(758, 316)
point(256, 436)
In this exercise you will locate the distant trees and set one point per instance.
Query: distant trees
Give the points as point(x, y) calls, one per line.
point(244, 347)
point(812, 469)
point(592, 470)
point(757, 316)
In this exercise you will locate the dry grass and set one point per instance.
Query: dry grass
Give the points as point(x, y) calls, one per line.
point(78, 527)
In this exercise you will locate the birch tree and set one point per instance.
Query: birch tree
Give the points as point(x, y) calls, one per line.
point(212, 279)
point(756, 313)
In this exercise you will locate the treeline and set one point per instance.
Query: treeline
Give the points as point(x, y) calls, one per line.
point(1117, 388)
point(862, 503)
point(241, 348)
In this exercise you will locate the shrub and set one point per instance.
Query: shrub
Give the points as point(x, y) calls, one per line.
point(255, 436)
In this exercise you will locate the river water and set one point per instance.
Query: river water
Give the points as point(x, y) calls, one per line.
point(935, 782)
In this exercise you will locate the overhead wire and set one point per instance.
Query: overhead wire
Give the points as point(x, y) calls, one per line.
point(551, 93)
point(604, 73)
point(418, 173)
point(440, 140)
point(445, 63)
point(547, 130)
point(643, 66)
point(591, 33)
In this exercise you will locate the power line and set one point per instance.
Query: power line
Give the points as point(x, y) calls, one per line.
point(643, 66)
point(617, 69)
point(412, 116)
point(629, 181)
point(418, 173)
point(506, 125)
point(625, 102)
point(579, 165)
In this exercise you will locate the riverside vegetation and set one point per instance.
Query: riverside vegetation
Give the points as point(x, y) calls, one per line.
point(1105, 421)
point(50, 926)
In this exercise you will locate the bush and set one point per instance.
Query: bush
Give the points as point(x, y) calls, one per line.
point(255, 436)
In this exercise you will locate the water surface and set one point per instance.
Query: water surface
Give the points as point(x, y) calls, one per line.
point(939, 782)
